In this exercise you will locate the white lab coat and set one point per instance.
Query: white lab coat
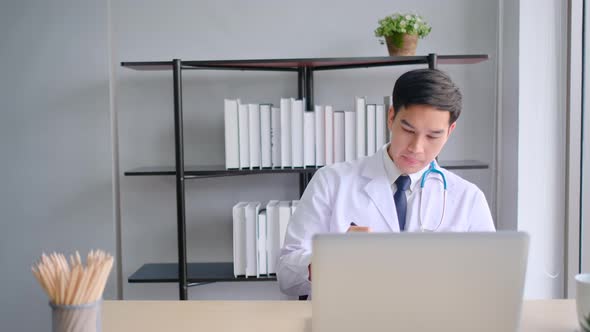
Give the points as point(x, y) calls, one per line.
point(360, 192)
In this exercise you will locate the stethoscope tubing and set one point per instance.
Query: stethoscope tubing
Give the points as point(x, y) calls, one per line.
point(432, 169)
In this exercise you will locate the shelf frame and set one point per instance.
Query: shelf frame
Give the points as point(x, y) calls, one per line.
point(198, 172)
point(305, 68)
point(197, 274)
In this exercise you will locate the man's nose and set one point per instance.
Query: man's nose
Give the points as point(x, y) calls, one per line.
point(416, 144)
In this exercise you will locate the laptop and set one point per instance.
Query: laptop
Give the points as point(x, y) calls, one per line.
point(418, 281)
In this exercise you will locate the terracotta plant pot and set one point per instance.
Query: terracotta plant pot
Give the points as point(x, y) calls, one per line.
point(401, 44)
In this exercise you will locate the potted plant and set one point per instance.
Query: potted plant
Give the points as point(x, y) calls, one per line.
point(401, 32)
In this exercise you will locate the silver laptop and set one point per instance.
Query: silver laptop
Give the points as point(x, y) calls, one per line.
point(418, 281)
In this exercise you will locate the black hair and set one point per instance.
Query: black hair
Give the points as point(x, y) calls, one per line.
point(430, 87)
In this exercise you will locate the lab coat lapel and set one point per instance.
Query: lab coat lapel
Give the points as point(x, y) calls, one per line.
point(379, 189)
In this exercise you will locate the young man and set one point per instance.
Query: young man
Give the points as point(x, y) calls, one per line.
point(383, 192)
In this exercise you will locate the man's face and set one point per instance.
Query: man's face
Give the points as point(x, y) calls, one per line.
point(418, 133)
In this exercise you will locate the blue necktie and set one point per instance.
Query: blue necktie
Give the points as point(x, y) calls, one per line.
point(402, 183)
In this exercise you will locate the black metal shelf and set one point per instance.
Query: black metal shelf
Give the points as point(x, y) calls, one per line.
point(219, 170)
point(187, 274)
point(213, 171)
point(462, 164)
point(196, 273)
point(312, 63)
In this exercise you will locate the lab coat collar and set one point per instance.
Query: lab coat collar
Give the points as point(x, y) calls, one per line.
point(379, 189)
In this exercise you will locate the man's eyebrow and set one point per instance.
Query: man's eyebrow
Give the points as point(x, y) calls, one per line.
point(431, 132)
point(407, 124)
point(437, 132)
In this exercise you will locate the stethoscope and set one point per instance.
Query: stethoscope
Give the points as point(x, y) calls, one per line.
point(432, 169)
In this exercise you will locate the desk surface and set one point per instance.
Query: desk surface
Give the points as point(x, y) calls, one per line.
point(295, 316)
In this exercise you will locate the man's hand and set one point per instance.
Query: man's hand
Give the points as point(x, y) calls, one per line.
point(359, 229)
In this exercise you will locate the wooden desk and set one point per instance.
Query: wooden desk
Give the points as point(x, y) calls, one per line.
point(287, 316)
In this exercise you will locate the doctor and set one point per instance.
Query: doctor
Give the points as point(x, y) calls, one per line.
point(400, 188)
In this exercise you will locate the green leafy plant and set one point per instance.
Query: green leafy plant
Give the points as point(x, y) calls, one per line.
point(396, 25)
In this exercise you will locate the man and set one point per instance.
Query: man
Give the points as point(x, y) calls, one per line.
point(383, 192)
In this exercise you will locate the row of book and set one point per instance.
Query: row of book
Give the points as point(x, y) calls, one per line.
point(264, 136)
point(258, 235)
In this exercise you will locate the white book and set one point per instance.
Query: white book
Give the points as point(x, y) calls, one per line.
point(261, 258)
point(252, 210)
point(339, 136)
point(254, 134)
point(309, 144)
point(275, 136)
point(239, 238)
point(350, 136)
point(329, 112)
point(232, 129)
point(265, 145)
point(286, 155)
point(371, 133)
point(387, 103)
point(273, 240)
point(297, 132)
point(284, 217)
point(380, 120)
point(361, 127)
point(320, 135)
point(244, 133)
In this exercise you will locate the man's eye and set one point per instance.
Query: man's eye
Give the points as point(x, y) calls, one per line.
point(408, 130)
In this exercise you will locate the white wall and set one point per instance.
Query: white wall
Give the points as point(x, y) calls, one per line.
point(55, 125)
point(55, 122)
point(541, 142)
point(263, 29)
point(56, 131)
point(56, 191)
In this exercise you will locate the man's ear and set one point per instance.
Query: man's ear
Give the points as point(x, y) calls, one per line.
point(451, 128)
point(390, 115)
